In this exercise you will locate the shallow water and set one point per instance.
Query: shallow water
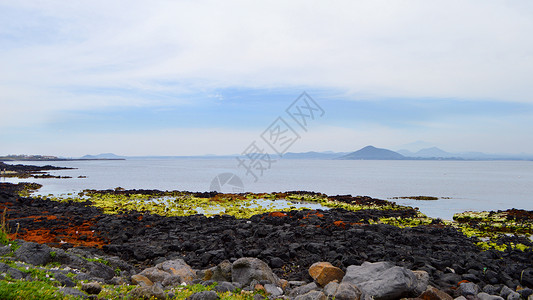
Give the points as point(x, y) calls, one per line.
point(466, 185)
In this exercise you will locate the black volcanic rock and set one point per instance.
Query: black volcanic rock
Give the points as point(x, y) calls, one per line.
point(373, 153)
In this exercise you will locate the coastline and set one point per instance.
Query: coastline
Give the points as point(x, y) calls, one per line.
point(290, 242)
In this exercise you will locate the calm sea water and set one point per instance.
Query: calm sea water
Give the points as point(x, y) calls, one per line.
point(461, 185)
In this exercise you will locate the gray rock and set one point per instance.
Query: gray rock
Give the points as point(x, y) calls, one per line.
point(312, 295)
point(490, 289)
point(468, 288)
point(172, 281)
point(513, 296)
point(422, 281)
point(301, 290)
point(485, 296)
point(151, 292)
point(505, 291)
point(460, 298)
point(246, 269)
point(100, 270)
point(525, 293)
point(259, 297)
point(330, 289)
point(14, 273)
point(222, 272)
point(155, 274)
point(67, 291)
point(4, 250)
point(64, 280)
point(347, 291)
point(91, 288)
point(177, 267)
point(273, 290)
point(33, 253)
point(205, 295)
point(297, 283)
point(381, 280)
point(225, 286)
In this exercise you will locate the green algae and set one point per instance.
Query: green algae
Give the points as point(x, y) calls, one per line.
point(487, 227)
point(490, 227)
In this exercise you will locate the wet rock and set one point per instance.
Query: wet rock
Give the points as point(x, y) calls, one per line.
point(381, 280)
point(313, 295)
point(91, 288)
point(141, 280)
point(246, 269)
point(205, 295)
point(324, 272)
point(33, 253)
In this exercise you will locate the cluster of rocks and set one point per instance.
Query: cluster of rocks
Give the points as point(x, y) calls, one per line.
point(379, 280)
point(289, 243)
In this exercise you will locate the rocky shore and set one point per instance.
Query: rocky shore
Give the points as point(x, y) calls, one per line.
point(161, 256)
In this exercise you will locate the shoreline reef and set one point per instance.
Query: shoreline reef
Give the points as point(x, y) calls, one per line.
point(127, 253)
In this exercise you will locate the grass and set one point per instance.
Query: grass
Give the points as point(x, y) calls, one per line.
point(23, 290)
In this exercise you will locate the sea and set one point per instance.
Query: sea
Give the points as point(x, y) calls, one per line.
point(459, 185)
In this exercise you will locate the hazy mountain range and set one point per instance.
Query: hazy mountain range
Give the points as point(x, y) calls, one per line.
point(366, 153)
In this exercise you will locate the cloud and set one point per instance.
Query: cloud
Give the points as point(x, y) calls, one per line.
point(59, 57)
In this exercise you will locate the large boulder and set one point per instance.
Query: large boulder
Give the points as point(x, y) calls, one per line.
point(382, 280)
point(170, 273)
point(178, 267)
point(245, 270)
point(324, 273)
point(33, 253)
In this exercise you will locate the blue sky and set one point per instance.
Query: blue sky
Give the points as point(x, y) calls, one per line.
point(189, 78)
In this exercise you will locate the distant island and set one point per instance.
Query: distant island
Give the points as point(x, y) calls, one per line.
point(366, 153)
point(24, 157)
point(373, 153)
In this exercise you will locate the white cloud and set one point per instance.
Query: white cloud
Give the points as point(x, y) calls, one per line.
point(58, 55)
point(476, 49)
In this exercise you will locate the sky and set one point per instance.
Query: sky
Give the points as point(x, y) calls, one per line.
point(211, 77)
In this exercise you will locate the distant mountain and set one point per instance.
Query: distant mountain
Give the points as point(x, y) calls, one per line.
point(102, 156)
point(373, 153)
point(313, 155)
point(433, 152)
point(406, 153)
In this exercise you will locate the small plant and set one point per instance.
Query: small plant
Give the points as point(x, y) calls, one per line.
point(4, 229)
